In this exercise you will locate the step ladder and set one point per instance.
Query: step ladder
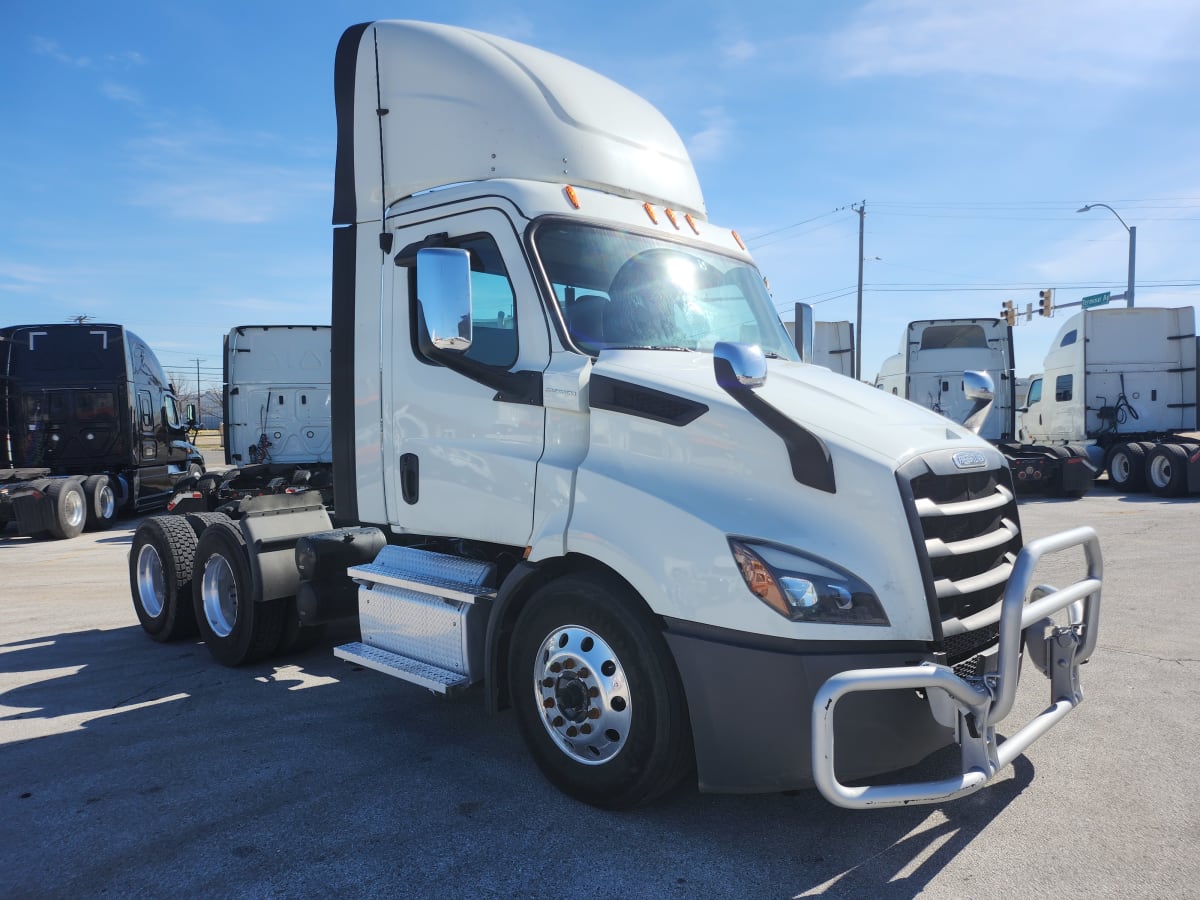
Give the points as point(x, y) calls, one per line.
point(423, 617)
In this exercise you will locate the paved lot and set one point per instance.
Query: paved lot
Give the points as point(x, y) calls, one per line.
point(130, 768)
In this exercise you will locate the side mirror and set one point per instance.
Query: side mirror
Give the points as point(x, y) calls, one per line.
point(979, 388)
point(739, 366)
point(191, 416)
point(804, 332)
point(444, 297)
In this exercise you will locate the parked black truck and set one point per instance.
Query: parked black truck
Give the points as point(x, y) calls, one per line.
point(89, 427)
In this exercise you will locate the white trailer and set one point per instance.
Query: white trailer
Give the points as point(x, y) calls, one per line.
point(588, 472)
point(277, 395)
point(1124, 380)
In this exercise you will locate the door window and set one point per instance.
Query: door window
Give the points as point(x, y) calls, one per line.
point(1035, 393)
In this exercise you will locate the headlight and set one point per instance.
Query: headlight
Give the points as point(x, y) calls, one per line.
point(803, 588)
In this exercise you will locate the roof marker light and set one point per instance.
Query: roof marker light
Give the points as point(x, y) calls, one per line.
point(650, 212)
point(671, 216)
point(737, 237)
point(571, 196)
point(688, 218)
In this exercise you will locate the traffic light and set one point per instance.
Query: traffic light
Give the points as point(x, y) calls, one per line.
point(1008, 313)
point(1047, 297)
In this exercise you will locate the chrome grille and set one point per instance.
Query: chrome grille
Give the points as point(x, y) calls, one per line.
point(967, 534)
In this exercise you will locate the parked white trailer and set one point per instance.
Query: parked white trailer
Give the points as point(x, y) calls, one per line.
point(588, 471)
point(929, 370)
point(832, 345)
point(277, 395)
point(1125, 381)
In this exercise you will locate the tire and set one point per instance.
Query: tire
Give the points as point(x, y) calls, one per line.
point(235, 626)
point(1127, 468)
point(70, 507)
point(1166, 470)
point(101, 503)
point(596, 694)
point(160, 577)
point(202, 520)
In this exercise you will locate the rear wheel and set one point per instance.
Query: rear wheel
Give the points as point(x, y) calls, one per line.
point(1127, 468)
point(160, 577)
point(101, 503)
point(596, 693)
point(1166, 470)
point(236, 627)
point(70, 507)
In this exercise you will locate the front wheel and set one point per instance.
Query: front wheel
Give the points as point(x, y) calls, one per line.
point(596, 694)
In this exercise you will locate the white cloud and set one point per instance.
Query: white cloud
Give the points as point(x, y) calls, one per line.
point(1105, 41)
point(51, 48)
point(120, 92)
point(740, 51)
point(709, 143)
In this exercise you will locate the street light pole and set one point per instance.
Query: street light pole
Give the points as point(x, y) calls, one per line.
point(1132, 229)
point(861, 209)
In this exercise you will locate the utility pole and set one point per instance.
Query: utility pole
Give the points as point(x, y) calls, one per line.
point(199, 410)
point(861, 209)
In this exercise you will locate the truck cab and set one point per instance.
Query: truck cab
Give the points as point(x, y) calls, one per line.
point(88, 401)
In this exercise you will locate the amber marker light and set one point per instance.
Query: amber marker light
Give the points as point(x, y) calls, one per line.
point(572, 196)
point(650, 212)
point(671, 216)
point(688, 218)
point(737, 237)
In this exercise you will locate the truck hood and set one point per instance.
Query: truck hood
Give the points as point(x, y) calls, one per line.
point(839, 410)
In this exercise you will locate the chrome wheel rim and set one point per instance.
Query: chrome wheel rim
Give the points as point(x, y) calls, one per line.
point(218, 589)
point(583, 695)
point(151, 583)
point(74, 509)
point(106, 501)
point(1160, 471)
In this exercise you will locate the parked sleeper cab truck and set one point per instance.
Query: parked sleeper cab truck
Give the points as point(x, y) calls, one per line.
point(577, 461)
point(1123, 383)
point(276, 418)
point(89, 426)
point(931, 369)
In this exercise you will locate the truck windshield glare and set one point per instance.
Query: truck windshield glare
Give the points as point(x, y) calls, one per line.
point(621, 290)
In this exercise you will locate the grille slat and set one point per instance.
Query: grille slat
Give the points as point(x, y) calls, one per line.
point(1001, 536)
point(969, 533)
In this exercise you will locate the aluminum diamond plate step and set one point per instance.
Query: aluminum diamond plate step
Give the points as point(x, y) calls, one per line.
point(440, 681)
point(439, 574)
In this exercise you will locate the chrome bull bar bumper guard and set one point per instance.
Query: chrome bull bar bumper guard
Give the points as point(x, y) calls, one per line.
point(980, 704)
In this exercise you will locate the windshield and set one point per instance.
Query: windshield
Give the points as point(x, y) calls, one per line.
point(621, 290)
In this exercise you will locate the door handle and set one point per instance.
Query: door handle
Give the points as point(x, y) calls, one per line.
point(410, 478)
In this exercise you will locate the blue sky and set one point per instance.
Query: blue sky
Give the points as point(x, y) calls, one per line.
point(169, 165)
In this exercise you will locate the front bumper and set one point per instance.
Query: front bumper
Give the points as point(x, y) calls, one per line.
point(974, 707)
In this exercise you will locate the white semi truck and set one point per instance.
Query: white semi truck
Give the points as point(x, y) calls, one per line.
point(1124, 381)
point(579, 465)
point(929, 370)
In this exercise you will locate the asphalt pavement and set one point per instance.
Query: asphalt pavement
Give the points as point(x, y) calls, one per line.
point(135, 769)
